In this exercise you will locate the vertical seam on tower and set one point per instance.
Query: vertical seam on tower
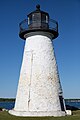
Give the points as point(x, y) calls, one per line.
point(30, 78)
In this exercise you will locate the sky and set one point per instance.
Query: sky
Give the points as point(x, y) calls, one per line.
point(66, 45)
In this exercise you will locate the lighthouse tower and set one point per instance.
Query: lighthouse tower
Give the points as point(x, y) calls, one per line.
point(39, 90)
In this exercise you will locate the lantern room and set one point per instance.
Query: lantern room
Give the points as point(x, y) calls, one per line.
point(38, 21)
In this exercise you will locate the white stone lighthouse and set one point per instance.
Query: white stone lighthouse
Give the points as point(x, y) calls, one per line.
point(39, 90)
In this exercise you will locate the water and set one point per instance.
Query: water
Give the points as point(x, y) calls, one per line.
point(7, 105)
point(10, 105)
point(75, 104)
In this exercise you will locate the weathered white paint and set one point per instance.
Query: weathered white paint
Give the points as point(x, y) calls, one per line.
point(39, 86)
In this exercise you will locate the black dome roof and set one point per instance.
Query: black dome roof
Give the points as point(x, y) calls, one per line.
point(38, 11)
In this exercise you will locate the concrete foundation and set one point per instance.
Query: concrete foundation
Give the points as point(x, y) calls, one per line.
point(35, 113)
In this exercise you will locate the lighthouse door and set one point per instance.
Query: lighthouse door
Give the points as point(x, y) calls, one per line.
point(61, 102)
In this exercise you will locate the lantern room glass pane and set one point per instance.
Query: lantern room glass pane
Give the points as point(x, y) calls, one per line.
point(36, 17)
point(43, 17)
point(29, 19)
point(47, 19)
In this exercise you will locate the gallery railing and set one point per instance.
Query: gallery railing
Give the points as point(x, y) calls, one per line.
point(44, 25)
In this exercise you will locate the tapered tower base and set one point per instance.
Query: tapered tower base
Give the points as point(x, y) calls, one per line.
point(39, 90)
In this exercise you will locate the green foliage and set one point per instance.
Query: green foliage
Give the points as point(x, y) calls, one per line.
point(6, 116)
point(72, 100)
point(76, 113)
point(7, 99)
point(13, 99)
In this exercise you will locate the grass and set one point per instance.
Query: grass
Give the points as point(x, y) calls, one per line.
point(6, 116)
